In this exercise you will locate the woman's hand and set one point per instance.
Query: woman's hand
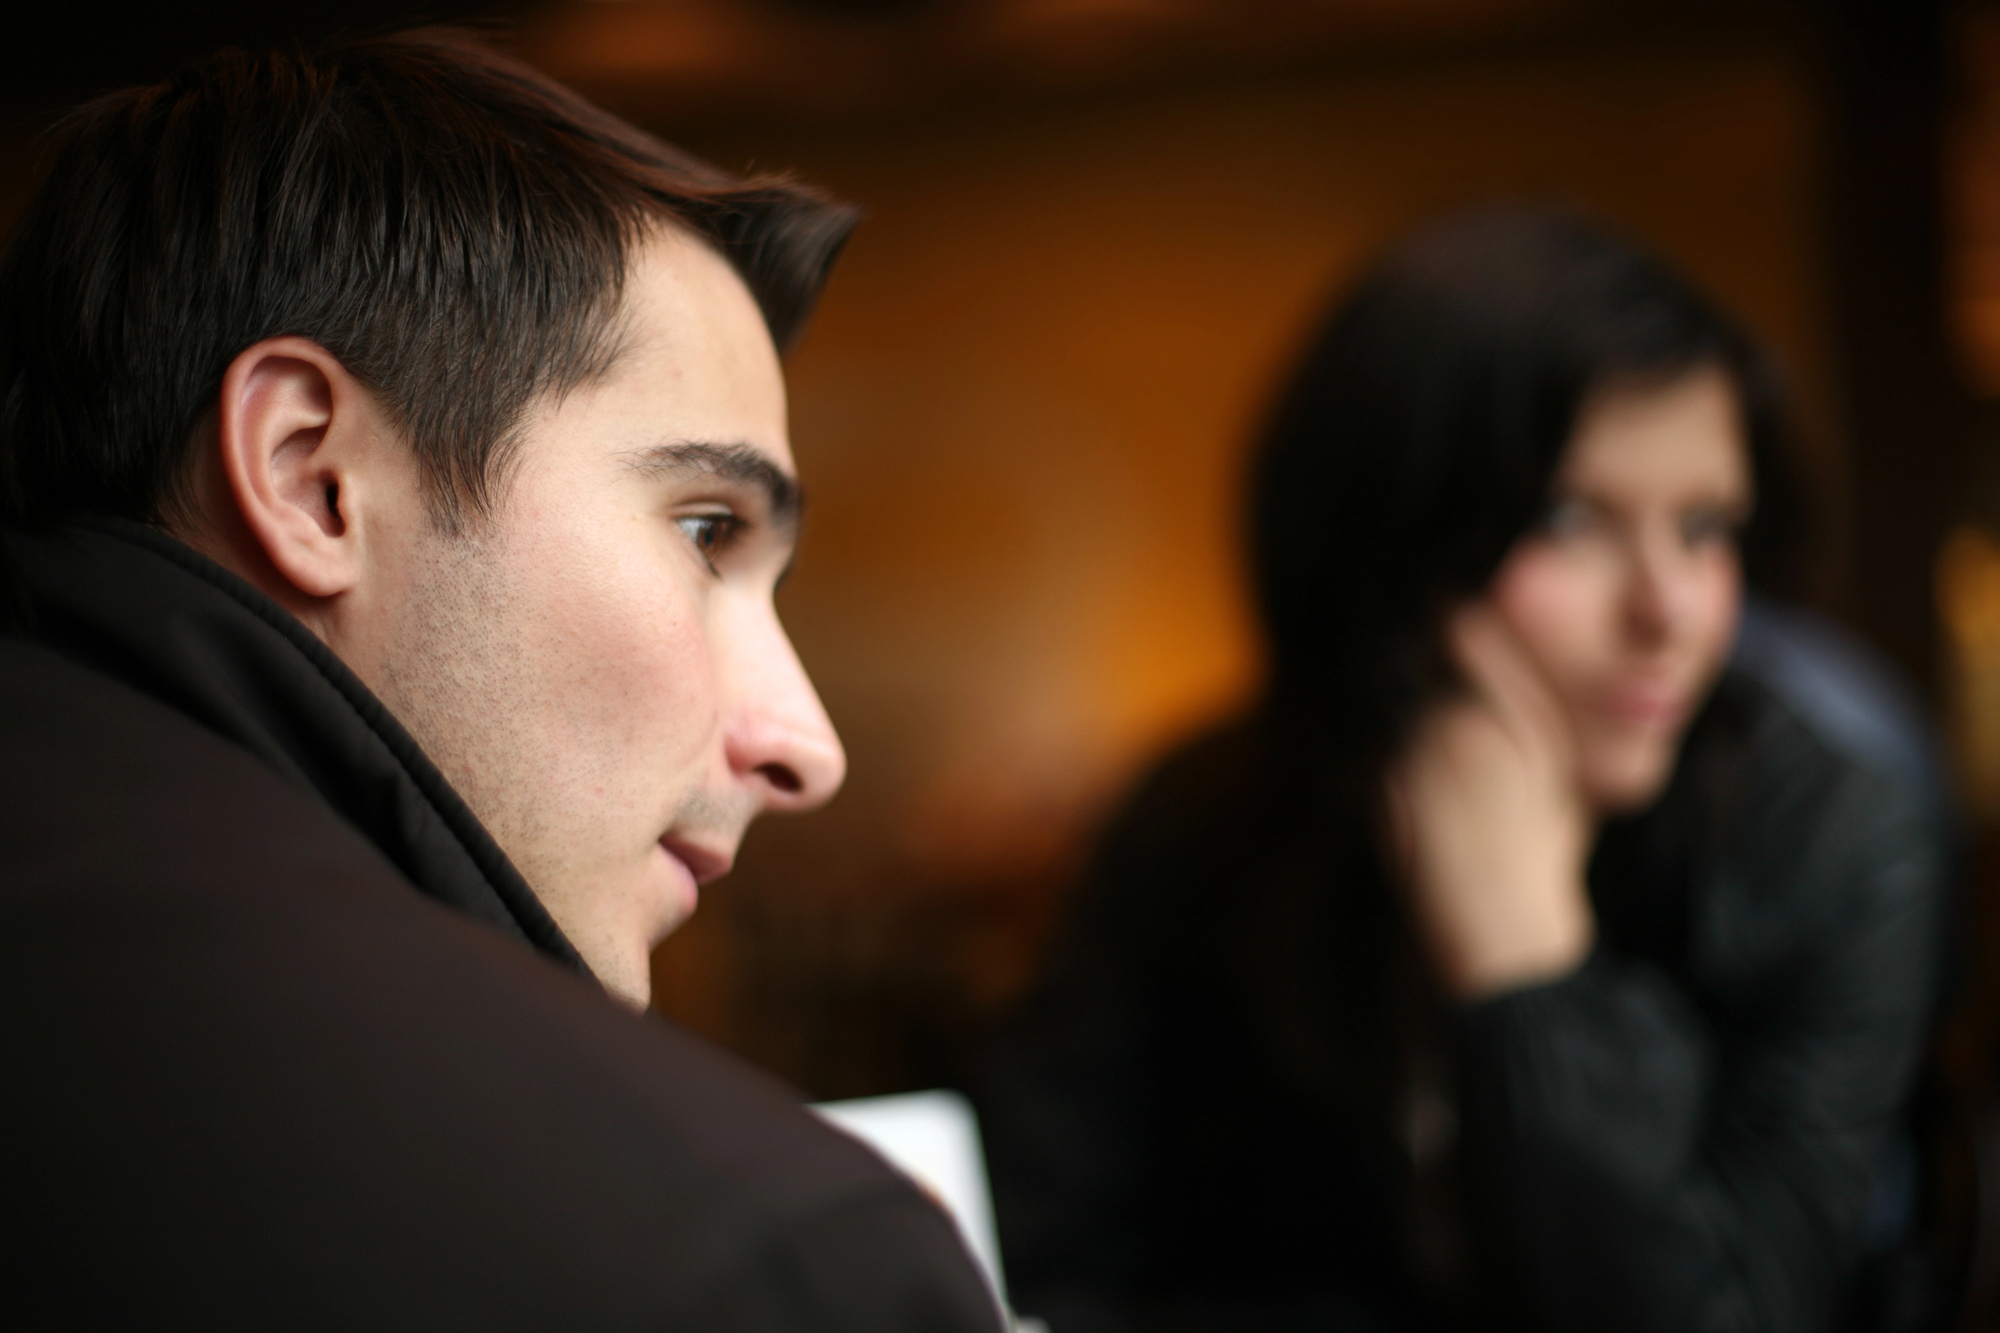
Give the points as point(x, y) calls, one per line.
point(1491, 827)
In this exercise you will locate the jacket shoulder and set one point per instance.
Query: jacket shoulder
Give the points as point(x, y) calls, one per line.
point(257, 1075)
point(1820, 850)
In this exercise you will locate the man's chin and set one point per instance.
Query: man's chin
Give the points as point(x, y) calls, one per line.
point(672, 924)
point(629, 983)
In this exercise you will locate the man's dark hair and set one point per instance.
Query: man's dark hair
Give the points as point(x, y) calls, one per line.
point(450, 224)
point(1421, 431)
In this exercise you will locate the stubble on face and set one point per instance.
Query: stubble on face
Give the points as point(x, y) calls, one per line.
point(472, 674)
point(446, 674)
point(596, 666)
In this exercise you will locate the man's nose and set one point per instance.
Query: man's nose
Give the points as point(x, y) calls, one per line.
point(780, 740)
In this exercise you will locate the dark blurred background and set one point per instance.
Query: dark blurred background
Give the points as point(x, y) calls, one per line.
point(1095, 229)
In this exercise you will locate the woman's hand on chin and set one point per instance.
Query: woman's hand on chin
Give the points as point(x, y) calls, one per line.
point(1490, 825)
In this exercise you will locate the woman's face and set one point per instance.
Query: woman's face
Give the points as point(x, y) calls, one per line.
point(1627, 598)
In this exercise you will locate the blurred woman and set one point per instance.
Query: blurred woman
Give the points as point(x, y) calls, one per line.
point(1520, 961)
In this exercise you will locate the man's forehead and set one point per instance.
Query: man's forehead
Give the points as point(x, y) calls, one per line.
point(677, 272)
point(692, 339)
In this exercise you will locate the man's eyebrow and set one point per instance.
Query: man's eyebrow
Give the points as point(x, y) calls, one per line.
point(737, 463)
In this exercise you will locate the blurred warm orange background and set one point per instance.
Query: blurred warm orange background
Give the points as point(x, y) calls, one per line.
point(1022, 413)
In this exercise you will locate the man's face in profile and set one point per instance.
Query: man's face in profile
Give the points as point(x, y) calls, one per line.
point(600, 671)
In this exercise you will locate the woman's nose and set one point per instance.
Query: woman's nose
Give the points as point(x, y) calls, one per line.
point(1656, 594)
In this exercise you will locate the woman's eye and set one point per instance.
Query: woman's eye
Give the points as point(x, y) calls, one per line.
point(710, 533)
point(1567, 518)
point(1704, 527)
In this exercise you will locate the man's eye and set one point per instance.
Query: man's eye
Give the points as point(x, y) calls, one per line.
point(710, 533)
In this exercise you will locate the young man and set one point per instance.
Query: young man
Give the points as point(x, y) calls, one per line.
point(394, 466)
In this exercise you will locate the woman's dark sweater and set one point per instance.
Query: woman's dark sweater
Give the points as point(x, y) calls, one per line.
point(1236, 1100)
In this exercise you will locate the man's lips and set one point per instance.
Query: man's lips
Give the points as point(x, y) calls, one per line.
point(703, 863)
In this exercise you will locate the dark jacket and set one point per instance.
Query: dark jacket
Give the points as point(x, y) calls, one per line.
point(1236, 1100)
point(289, 1044)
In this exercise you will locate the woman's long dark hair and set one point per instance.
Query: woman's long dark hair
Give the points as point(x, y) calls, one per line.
point(1419, 435)
point(1415, 443)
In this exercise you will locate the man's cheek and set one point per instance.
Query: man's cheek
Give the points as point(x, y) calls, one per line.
point(667, 693)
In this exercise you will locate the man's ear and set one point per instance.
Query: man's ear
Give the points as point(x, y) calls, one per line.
point(293, 430)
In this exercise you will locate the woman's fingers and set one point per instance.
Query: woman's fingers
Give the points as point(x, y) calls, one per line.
point(1487, 820)
point(1490, 845)
point(1498, 668)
